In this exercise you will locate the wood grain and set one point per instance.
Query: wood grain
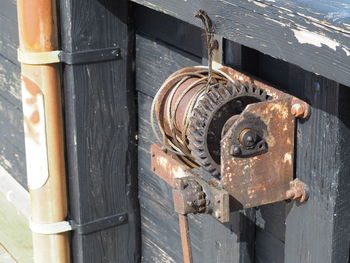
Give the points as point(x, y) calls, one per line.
point(317, 231)
point(100, 130)
point(11, 127)
point(298, 35)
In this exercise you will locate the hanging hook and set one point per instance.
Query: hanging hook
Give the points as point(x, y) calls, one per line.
point(212, 44)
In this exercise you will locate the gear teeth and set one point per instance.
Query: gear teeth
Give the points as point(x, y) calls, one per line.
point(212, 98)
point(206, 105)
point(201, 154)
point(223, 92)
point(197, 144)
point(202, 114)
point(198, 137)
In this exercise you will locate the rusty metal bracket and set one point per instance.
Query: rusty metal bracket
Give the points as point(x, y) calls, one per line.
point(263, 178)
point(191, 192)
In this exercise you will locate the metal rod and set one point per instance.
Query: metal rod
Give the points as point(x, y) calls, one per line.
point(185, 239)
point(42, 113)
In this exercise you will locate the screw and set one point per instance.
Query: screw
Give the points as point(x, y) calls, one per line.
point(250, 139)
point(235, 150)
point(316, 85)
point(115, 52)
point(298, 110)
point(297, 193)
point(121, 218)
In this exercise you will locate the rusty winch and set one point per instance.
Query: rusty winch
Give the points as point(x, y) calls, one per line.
point(226, 142)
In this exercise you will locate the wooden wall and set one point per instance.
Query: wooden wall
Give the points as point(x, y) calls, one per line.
point(273, 233)
point(12, 156)
point(317, 231)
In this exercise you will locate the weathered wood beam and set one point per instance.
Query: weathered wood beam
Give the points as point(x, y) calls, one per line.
point(319, 230)
point(297, 35)
point(100, 131)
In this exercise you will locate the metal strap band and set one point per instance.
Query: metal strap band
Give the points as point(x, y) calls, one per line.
point(70, 58)
point(82, 229)
point(50, 228)
point(38, 58)
point(100, 224)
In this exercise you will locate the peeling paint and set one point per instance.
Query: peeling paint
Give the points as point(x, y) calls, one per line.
point(275, 21)
point(260, 4)
point(307, 37)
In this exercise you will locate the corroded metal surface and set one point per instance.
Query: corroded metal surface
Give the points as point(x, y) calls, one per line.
point(264, 178)
point(298, 191)
point(167, 166)
point(185, 239)
point(191, 192)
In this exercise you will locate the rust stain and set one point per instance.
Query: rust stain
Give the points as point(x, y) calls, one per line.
point(32, 97)
point(35, 117)
point(264, 178)
point(31, 87)
point(185, 239)
point(36, 24)
point(167, 166)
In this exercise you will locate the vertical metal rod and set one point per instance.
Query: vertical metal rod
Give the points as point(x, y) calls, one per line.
point(185, 239)
point(43, 127)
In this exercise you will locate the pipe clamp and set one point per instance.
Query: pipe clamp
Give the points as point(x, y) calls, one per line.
point(50, 228)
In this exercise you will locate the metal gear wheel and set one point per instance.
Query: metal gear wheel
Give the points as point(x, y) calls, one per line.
point(210, 115)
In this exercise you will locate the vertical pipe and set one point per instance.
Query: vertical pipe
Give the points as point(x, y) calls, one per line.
point(42, 115)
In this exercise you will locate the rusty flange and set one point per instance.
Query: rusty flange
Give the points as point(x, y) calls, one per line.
point(264, 177)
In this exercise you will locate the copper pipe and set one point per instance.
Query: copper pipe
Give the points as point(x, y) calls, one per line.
point(43, 125)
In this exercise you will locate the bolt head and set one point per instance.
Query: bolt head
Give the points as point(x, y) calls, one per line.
point(235, 150)
point(298, 110)
point(250, 138)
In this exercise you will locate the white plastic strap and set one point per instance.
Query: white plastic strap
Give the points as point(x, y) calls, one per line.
point(51, 228)
point(38, 58)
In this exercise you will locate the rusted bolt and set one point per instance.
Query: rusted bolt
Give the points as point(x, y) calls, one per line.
point(297, 191)
point(298, 110)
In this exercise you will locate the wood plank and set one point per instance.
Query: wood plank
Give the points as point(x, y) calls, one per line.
point(100, 130)
point(318, 231)
point(12, 156)
point(304, 40)
point(9, 30)
point(270, 249)
point(15, 193)
point(5, 257)
point(330, 13)
point(15, 235)
point(10, 81)
point(168, 29)
point(156, 61)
